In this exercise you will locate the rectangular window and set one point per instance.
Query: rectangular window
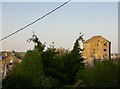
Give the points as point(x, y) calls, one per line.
point(105, 44)
point(105, 50)
point(105, 54)
point(97, 44)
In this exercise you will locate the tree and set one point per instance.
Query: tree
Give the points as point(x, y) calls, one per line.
point(103, 74)
point(77, 50)
point(74, 61)
point(38, 45)
point(48, 68)
point(27, 74)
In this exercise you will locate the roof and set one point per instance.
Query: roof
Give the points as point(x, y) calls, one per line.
point(15, 59)
point(95, 37)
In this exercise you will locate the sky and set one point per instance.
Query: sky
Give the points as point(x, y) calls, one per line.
point(62, 27)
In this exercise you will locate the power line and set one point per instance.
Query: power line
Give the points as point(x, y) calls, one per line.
point(34, 21)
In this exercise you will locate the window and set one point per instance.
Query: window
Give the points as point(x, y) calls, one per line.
point(93, 49)
point(105, 44)
point(105, 54)
point(105, 50)
point(97, 44)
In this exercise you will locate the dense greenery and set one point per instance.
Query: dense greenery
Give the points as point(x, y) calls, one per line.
point(103, 74)
point(50, 69)
point(46, 68)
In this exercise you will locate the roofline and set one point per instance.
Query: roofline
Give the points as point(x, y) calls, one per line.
point(96, 38)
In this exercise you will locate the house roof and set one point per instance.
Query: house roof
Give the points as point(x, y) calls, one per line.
point(95, 37)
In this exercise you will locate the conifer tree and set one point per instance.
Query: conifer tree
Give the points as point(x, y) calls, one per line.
point(77, 50)
point(38, 45)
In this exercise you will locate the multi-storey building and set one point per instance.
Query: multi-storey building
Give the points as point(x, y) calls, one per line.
point(97, 47)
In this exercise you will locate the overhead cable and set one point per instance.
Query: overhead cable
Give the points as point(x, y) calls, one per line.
point(34, 21)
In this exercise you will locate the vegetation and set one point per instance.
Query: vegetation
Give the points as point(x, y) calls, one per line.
point(46, 68)
point(103, 74)
point(18, 55)
point(50, 69)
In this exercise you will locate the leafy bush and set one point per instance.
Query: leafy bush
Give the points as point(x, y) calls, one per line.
point(103, 74)
point(46, 69)
point(30, 70)
point(62, 67)
point(16, 82)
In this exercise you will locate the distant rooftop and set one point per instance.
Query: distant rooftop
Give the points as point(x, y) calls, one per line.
point(95, 37)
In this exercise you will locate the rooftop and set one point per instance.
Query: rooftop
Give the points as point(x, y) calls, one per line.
point(95, 37)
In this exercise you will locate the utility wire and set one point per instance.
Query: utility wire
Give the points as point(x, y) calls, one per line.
point(34, 21)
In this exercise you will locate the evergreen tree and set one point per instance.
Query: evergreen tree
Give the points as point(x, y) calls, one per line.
point(38, 45)
point(74, 61)
point(77, 50)
point(48, 69)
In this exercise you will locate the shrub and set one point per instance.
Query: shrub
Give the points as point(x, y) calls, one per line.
point(16, 82)
point(29, 71)
point(103, 74)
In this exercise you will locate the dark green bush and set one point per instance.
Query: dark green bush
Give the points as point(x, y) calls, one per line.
point(103, 74)
point(46, 69)
point(29, 71)
point(16, 82)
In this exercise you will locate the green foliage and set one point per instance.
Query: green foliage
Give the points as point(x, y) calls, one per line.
point(51, 64)
point(77, 50)
point(18, 56)
point(118, 68)
point(30, 73)
point(30, 70)
point(103, 74)
point(38, 45)
point(47, 69)
point(16, 82)
point(49, 83)
point(32, 67)
point(63, 67)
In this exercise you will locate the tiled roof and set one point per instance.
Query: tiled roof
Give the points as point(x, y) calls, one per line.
point(93, 38)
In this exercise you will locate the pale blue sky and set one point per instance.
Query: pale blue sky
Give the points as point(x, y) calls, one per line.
point(62, 27)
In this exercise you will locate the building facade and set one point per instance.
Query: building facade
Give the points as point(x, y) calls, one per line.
point(97, 47)
point(115, 56)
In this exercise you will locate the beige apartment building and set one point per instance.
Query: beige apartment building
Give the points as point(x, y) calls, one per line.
point(97, 47)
